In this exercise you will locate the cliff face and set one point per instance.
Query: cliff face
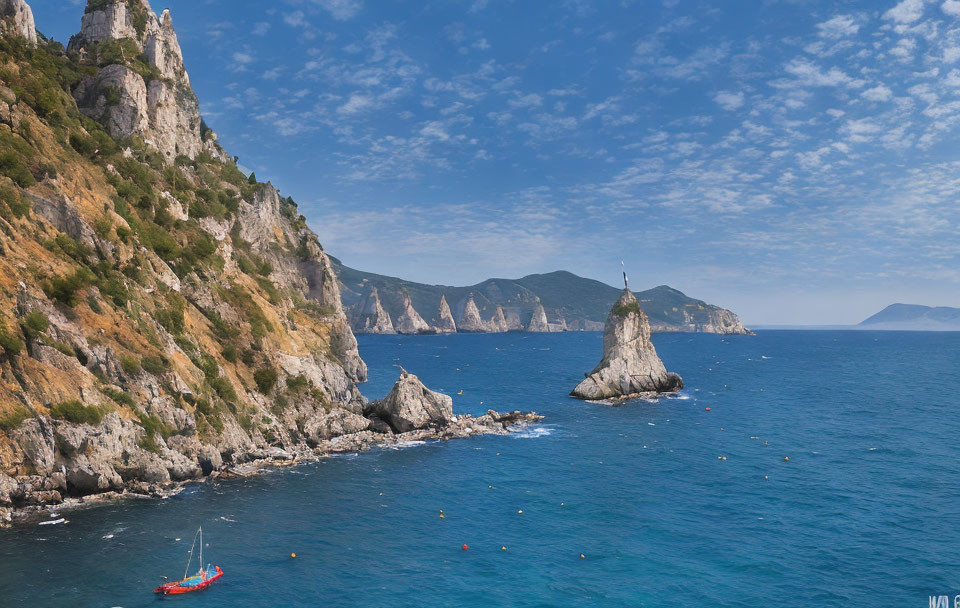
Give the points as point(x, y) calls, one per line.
point(410, 321)
point(140, 87)
point(371, 318)
point(470, 320)
point(630, 365)
point(16, 21)
point(157, 320)
point(444, 323)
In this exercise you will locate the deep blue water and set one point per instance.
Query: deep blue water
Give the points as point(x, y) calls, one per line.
point(865, 512)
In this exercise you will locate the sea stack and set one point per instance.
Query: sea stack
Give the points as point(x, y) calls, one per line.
point(372, 318)
point(630, 365)
point(410, 321)
point(411, 405)
point(444, 323)
point(470, 320)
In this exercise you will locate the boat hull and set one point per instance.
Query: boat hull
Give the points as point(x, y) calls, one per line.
point(178, 588)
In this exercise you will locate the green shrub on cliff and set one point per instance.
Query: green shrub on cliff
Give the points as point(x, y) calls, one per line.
point(10, 345)
point(76, 412)
point(35, 324)
point(623, 310)
point(266, 379)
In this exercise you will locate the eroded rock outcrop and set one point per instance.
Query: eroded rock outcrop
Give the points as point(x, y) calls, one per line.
point(411, 406)
point(372, 317)
point(444, 323)
point(142, 88)
point(409, 321)
point(630, 365)
point(498, 323)
point(538, 322)
point(16, 20)
point(470, 321)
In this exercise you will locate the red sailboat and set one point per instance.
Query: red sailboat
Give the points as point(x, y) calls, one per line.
point(201, 580)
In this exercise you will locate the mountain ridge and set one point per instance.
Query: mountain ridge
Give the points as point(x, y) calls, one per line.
point(914, 317)
point(570, 302)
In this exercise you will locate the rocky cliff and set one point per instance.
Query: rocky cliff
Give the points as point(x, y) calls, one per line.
point(410, 321)
point(470, 320)
point(16, 21)
point(162, 315)
point(443, 323)
point(139, 86)
point(630, 365)
point(370, 316)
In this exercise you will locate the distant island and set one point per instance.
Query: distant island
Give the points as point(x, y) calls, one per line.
point(914, 317)
point(552, 302)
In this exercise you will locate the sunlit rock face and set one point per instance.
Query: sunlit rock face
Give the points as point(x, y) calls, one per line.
point(630, 365)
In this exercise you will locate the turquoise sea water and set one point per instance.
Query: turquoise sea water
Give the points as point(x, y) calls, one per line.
point(865, 512)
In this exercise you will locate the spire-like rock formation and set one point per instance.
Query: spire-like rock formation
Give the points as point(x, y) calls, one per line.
point(444, 323)
point(411, 405)
point(470, 320)
point(630, 365)
point(410, 321)
point(16, 21)
point(141, 88)
point(538, 322)
point(498, 323)
point(371, 317)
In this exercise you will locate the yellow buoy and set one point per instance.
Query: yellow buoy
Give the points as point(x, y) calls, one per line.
point(293, 555)
point(582, 556)
point(502, 548)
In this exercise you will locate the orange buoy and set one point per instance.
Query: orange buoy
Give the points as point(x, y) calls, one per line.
point(582, 556)
point(293, 555)
point(707, 408)
point(786, 458)
point(464, 547)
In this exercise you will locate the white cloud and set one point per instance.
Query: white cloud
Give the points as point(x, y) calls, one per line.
point(355, 105)
point(951, 54)
point(261, 28)
point(951, 7)
point(877, 93)
point(838, 27)
point(295, 19)
point(906, 11)
point(810, 74)
point(341, 10)
point(728, 100)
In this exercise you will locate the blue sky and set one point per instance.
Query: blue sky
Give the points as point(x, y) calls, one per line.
point(796, 161)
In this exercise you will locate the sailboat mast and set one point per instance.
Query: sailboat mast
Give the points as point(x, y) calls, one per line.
point(201, 547)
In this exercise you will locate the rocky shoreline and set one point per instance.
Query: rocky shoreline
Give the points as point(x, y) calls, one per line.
point(257, 461)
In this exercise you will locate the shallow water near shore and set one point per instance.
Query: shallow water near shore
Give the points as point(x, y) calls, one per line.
point(866, 511)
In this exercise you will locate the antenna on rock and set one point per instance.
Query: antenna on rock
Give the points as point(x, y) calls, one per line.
point(624, 268)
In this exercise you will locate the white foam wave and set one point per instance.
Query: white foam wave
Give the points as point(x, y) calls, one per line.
point(534, 432)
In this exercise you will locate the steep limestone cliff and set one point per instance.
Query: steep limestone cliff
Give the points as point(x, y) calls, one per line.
point(538, 322)
point(371, 318)
point(410, 321)
point(630, 365)
point(141, 87)
point(16, 21)
point(470, 321)
point(498, 323)
point(444, 323)
point(157, 321)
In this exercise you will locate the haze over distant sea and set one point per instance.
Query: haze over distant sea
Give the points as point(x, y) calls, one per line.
point(670, 504)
